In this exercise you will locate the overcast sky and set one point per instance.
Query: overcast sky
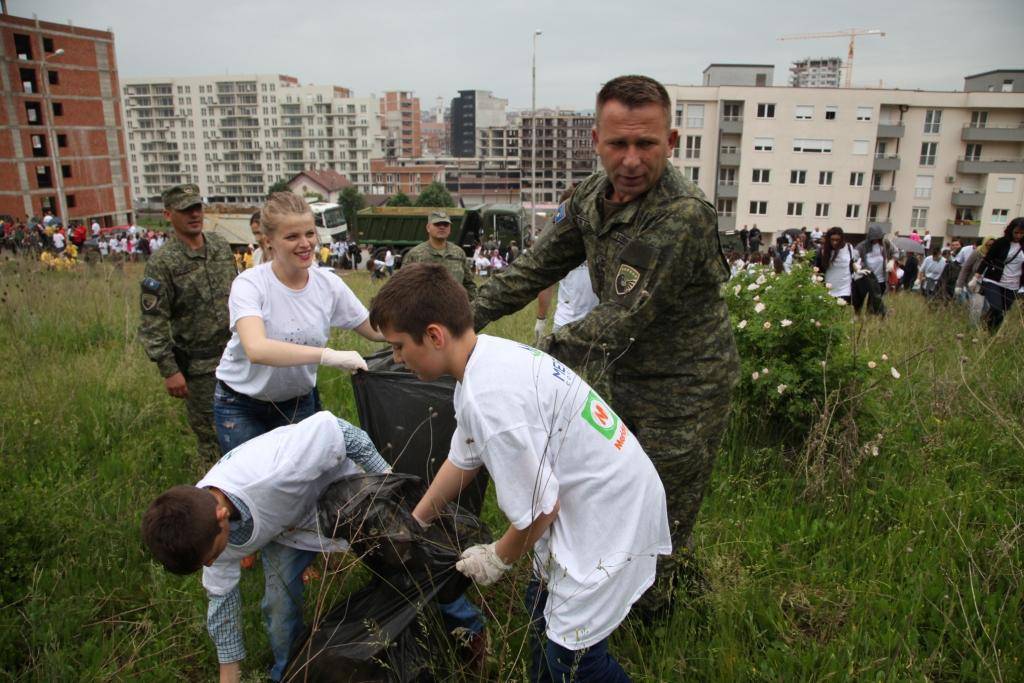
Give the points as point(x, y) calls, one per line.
point(436, 48)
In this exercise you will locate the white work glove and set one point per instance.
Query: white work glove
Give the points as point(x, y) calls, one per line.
point(958, 291)
point(350, 361)
point(482, 564)
point(539, 330)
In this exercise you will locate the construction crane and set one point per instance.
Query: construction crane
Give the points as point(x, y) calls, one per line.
point(850, 33)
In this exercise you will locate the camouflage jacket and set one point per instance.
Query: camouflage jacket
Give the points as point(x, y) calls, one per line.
point(451, 257)
point(184, 302)
point(657, 269)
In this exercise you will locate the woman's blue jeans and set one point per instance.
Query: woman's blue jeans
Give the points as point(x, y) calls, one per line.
point(239, 418)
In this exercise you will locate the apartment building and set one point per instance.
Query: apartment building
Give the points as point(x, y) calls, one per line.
point(392, 177)
point(400, 121)
point(237, 135)
point(62, 148)
point(498, 141)
point(564, 153)
point(475, 180)
point(821, 72)
point(472, 110)
point(948, 162)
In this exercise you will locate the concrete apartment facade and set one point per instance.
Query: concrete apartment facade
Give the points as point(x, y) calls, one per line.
point(474, 181)
point(948, 162)
point(820, 72)
point(472, 110)
point(391, 177)
point(62, 144)
point(235, 136)
point(400, 120)
point(564, 153)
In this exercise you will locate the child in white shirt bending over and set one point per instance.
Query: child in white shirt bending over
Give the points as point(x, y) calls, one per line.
point(576, 487)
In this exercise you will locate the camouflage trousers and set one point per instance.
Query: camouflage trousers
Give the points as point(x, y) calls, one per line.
point(199, 407)
point(682, 439)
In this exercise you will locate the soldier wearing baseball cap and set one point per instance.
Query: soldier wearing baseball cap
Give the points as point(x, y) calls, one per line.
point(184, 302)
point(437, 249)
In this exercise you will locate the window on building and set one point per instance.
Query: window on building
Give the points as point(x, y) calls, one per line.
point(964, 214)
point(726, 207)
point(52, 78)
point(71, 201)
point(693, 147)
point(928, 151)
point(824, 177)
point(880, 148)
point(34, 113)
point(759, 208)
point(853, 210)
point(764, 144)
point(48, 45)
point(821, 209)
point(857, 179)
point(765, 111)
point(760, 80)
point(62, 140)
point(727, 176)
point(65, 170)
point(979, 119)
point(861, 146)
point(932, 121)
point(923, 186)
point(804, 112)
point(695, 116)
point(831, 112)
point(43, 177)
point(58, 108)
point(1005, 184)
point(919, 217)
point(865, 113)
point(732, 112)
point(761, 175)
point(692, 173)
point(812, 146)
point(1007, 85)
point(795, 209)
point(973, 153)
point(28, 80)
point(1000, 215)
point(38, 146)
point(798, 177)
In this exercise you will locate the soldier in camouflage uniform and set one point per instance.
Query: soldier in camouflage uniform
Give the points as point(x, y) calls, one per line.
point(437, 249)
point(184, 325)
point(658, 346)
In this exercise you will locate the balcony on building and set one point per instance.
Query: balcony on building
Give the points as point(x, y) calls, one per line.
point(729, 155)
point(963, 228)
point(891, 130)
point(886, 162)
point(882, 194)
point(727, 189)
point(991, 133)
point(968, 198)
point(726, 222)
point(731, 124)
point(978, 165)
point(883, 223)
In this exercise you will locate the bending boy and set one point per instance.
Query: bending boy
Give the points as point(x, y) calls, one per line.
point(574, 483)
point(261, 496)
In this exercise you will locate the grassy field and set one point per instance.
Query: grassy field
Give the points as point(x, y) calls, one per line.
point(907, 567)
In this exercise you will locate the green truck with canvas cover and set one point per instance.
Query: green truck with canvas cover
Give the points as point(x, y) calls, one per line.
point(400, 228)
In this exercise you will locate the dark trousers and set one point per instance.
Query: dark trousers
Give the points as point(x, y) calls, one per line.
point(998, 301)
point(552, 663)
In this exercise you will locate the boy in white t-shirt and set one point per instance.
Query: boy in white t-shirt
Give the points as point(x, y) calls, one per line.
point(577, 488)
point(261, 496)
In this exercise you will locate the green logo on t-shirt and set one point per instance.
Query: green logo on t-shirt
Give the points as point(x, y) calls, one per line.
point(597, 413)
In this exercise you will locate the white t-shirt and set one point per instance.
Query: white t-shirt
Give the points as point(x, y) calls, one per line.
point(58, 240)
point(1012, 268)
point(95, 229)
point(576, 296)
point(964, 254)
point(875, 262)
point(926, 242)
point(389, 259)
point(280, 476)
point(838, 274)
point(816, 234)
point(303, 316)
point(545, 436)
point(932, 267)
point(103, 246)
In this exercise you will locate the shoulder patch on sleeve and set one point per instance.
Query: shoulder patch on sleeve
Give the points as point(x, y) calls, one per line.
point(150, 285)
point(563, 211)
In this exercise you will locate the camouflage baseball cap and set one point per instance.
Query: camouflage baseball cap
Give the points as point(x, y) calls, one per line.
point(439, 217)
point(181, 197)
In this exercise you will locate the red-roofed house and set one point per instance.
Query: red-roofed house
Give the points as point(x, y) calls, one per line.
point(324, 182)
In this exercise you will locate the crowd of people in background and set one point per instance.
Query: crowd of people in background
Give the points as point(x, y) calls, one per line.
point(986, 277)
point(33, 236)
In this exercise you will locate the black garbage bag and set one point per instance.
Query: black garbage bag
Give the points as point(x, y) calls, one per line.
point(410, 421)
point(390, 630)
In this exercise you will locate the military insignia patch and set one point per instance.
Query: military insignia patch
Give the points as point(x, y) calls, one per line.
point(148, 302)
point(560, 214)
point(626, 279)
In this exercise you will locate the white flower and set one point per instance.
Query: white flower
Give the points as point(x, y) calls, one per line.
point(757, 297)
point(764, 371)
point(885, 357)
point(736, 289)
point(828, 285)
point(895, 373)
point(752, 286)
point(786, 322)
point(767, 324)
point(755, 375)
point(822, 363)
point(812, 320)
point(816, 269)
point(817, 323)
point(758, 307)
point(760, 280)
point(781, 388)
point(742, 324)
point(840, 301)
point(872, 364)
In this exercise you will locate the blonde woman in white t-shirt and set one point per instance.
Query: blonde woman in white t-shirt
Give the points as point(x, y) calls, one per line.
point(281, 315)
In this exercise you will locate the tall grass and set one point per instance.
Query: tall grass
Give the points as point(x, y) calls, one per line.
point(906, 567)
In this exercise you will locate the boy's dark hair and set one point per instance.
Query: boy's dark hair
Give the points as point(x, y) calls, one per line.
point(254, 218)
point(635, 91)
point(180, 526)
point(418, 295)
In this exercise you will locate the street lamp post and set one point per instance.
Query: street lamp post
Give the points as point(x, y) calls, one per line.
point(533, 135)
point(51, 138)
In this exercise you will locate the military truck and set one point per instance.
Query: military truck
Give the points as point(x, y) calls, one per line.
point(401, 228)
